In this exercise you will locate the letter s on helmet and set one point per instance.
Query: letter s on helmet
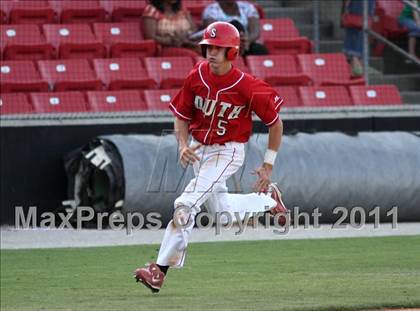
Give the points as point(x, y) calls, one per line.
point(224, 35)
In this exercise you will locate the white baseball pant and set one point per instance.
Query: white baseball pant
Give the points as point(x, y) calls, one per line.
point(217, 163)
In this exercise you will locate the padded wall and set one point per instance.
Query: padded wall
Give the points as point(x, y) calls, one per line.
point(321, 170)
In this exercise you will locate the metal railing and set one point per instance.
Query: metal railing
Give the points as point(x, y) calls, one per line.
point(368, 33)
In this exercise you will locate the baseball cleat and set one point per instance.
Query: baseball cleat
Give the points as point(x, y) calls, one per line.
point(150, 276)
point(280, 208)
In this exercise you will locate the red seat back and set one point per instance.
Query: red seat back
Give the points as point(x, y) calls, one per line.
point(21, 76)
point(289, 95)
point(169, 72)
point(124, 10)
point(123, 73)
point(74, 41)
point(31, 12)
point(58, 102)
point(118, 32)
point(24, 42)
point(325, 96)
point(277, 28)
point(159, 99)
point(69, 74)
point(375, 95)
point(14, 103)
point(264, 66)
point(79, 11)
point(113, 101)
point(325, 67)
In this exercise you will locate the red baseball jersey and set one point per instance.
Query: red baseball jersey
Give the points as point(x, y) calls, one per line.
point(219, 108)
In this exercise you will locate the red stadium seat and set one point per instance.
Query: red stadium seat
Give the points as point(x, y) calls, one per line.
point(289, 95)
point(123, 73)
point(159, 99)
point(124, 10)
point(74, 41)
point(281, 36)
point(21, 76)
point(31, 12)
point(328, 69)
point(113, 101)
point(388, 13)
point(168, 72)
point(277, 69)
point(278, 28)
point(58, 102)
point(69, 75)
point(79, 11)
point(324, 96)
point(24, 42)
point(386, 22)
point(239, 62)
point(375, 95)
point(292, 46)
point(14, 103)
point(124, 40)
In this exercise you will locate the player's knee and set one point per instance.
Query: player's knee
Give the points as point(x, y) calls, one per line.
point(182, 215)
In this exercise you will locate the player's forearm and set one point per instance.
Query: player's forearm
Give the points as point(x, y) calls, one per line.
point(275, 134)
point(181, 132)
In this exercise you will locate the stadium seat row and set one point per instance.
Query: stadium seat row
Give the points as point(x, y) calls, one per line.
point(331, 96)
point(304, 69)
point(67, 41)
point(158, 100)
point(74, 11)
point(166, 72)
point(81, 11)
point(29, 41)
point(93, 101)
point(78, 74)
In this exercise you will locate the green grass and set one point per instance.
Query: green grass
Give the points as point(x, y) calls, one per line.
point(332, 274)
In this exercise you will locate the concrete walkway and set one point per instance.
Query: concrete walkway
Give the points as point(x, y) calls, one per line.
point(54, 238)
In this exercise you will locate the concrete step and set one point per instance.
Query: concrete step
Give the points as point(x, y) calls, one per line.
point(299, 15)
point(330, 46)
point(307, 30)
point(407, 82)
point(377, 63)
point(411, 97)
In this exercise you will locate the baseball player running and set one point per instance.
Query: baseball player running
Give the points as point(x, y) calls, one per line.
point(215, 105)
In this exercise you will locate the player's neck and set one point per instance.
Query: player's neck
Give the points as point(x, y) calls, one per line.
point(221, 69)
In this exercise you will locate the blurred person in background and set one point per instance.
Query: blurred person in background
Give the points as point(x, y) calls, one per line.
point(353, 41)
point(246, 48)
point(410, 19)
point(245, 14)
point(170, 26)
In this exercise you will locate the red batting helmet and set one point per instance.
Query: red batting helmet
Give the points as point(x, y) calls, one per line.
point(224, 35)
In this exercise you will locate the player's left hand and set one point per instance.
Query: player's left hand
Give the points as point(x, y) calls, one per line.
point(264, 177)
